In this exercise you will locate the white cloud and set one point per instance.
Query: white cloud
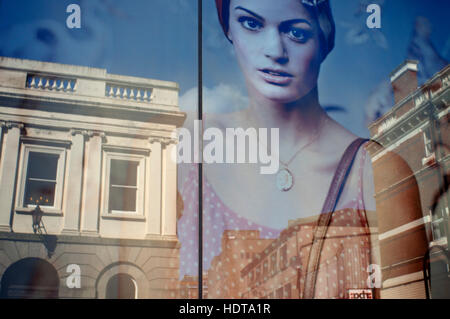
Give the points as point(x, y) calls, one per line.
point(223, 98)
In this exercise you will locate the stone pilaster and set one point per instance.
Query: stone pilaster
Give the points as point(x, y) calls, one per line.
point(169, 182)
point(8, 171)
point(72, 211)
point(92, 184)
point(154, 191)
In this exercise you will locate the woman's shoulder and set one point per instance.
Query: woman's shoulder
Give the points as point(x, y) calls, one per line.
point(223, 121)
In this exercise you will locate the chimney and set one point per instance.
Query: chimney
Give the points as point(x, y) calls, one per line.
point(404, 79)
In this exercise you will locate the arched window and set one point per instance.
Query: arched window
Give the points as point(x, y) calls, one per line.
point(30, 278)
point(121, 286)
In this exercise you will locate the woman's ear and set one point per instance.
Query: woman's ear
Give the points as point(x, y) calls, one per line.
point(229, 37)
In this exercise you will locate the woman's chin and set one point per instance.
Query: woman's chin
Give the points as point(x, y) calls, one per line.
point(280, 95)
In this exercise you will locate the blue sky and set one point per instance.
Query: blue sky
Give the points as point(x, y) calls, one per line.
point(158, 39)
point(154, 39)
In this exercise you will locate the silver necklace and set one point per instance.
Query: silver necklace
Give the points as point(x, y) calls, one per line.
point(285, 178)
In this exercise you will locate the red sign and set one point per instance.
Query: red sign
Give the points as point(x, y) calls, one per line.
point(360, 294)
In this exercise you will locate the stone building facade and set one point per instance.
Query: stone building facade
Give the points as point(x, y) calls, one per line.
point(92, 152)
point(412, 198)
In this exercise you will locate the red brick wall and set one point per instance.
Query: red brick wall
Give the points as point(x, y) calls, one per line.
point(404, 85)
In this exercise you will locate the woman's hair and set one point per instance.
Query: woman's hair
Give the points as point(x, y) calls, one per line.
point(320, 10)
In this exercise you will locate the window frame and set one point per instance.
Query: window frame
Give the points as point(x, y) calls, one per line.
point(45, 148)
point(273, 259)
point(427, 141)
point(110, 155)
point(283, 264)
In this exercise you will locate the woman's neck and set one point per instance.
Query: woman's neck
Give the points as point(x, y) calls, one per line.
point(298, 121)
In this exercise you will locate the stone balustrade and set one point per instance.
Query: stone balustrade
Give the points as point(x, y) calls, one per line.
point(51, 83)
point(139, 94)
point(59, 80)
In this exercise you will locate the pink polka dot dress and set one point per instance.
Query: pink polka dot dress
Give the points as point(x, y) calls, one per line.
point(256, 272)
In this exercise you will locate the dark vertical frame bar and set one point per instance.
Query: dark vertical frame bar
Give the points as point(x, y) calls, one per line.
point(436, 136)
point(200, 165)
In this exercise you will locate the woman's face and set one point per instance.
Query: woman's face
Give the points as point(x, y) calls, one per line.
point(277, 47)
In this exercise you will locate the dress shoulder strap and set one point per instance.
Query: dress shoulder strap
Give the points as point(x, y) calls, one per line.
point(334, 193)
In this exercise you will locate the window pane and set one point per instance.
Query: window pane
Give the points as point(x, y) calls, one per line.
point(124, 172)
point(40, 192)
point(287, 291)
point(121, 286)
point(123, 199)
point(42, 166)
point(279, 294)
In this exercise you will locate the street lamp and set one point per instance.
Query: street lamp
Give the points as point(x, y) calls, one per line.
point(37, 217)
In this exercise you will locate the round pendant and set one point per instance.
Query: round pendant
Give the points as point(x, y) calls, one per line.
point(285, 180)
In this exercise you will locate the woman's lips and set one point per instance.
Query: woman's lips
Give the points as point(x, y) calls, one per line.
point(276, 76)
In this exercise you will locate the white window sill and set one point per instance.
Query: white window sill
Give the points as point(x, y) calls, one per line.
point(430, 160)
point(48, 211)
point(124, 216)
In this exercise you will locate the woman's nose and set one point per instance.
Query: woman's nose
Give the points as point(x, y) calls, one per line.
point(274, 47)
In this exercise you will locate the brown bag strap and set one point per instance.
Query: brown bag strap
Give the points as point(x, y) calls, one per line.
point(334, 193)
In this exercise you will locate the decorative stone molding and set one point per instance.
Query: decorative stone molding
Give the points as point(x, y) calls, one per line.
point(387, 124)
point(10, 125)
point(421, 98)
point(85, 133)
point(126, 149)
point(7, 125)
point(89, 134)
point(164, 141)
point(445, 81)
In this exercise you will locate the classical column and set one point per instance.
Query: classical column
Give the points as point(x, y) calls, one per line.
point(91, 188)
point(154, 191)
point(169, 206)
point(8, 172)
point(72, 211)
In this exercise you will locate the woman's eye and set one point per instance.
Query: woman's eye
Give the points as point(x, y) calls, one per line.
point(250, 23)
point(298, 35)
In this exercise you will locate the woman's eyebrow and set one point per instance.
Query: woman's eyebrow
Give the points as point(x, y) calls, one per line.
point(294, 21)
point(249, 12)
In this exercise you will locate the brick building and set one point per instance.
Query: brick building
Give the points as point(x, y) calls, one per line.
point(411, 166)
point(189, 287)
point(279, 271)
point(239, 247)
point(89, 152)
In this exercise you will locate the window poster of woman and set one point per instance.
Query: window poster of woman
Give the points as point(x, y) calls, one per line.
point(330, 220)
point(224, 149)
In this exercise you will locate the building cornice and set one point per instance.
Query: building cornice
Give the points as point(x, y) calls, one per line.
point(52, 102)
point(427, 92)
point(87, 129)
point(162, 242)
